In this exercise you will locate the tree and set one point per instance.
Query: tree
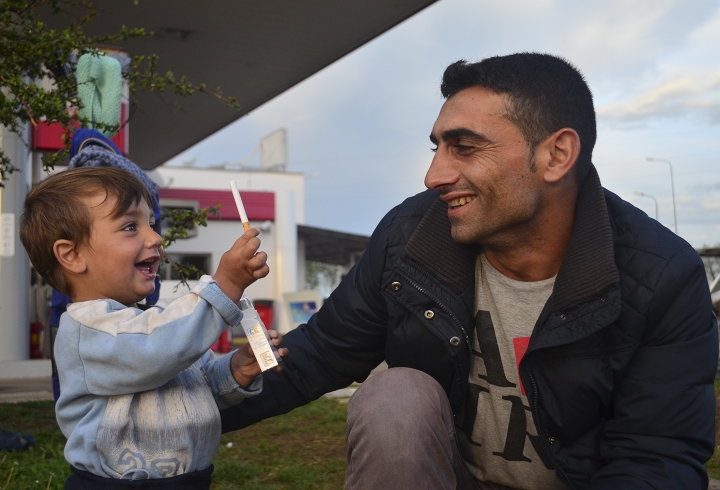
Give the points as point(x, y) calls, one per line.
point(30, 51)
point(184, 220)
point(322, 277)
point(712, 267)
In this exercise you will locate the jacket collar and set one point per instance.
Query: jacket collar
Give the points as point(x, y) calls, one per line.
point(589, 267)
point(431, 245)
point(587, 270)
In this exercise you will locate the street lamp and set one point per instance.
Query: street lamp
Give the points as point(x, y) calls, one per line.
point(672, 185)
point(638, 193)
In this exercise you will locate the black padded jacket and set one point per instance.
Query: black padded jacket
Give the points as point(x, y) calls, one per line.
point(619, 369)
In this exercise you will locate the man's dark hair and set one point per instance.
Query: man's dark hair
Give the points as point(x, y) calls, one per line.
point(546, 93)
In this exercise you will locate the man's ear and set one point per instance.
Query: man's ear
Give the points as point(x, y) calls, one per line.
point(562, 150)
point(68, 257)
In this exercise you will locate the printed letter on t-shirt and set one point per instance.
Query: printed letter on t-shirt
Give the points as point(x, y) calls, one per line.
point(494, 371)
point(495, 375)
point(490, 351)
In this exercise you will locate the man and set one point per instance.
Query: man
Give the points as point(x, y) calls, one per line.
point(541, 333)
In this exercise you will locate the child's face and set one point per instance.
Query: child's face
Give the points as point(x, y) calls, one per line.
point(122, 256)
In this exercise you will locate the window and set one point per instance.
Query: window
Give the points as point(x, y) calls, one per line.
point(200, 261)
point(179, 204)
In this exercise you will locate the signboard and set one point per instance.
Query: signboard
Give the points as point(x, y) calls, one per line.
point(301, 305)
point(301, 311)
point(7, 234)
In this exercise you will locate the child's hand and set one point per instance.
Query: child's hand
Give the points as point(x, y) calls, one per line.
point(245, 367)
point(241, 266)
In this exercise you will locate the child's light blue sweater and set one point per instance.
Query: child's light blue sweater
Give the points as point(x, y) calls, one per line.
point(140, 392)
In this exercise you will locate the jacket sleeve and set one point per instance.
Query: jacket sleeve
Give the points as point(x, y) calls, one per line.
point(123, 351)
point(662, 430)
point(222, 384)
point(340, 344)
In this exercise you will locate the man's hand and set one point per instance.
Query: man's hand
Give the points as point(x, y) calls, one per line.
point(245, 367)
point(241, 266)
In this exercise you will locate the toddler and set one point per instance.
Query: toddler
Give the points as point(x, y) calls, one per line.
point(140, 391)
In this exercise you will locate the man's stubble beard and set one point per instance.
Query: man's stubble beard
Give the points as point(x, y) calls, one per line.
point(498, 227)
point(502, 233)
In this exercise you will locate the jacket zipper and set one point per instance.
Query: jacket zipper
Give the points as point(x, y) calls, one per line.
point(542, 435)
point(543, 438)
point(441, 305)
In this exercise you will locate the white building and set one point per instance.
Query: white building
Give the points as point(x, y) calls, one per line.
point(274, 202)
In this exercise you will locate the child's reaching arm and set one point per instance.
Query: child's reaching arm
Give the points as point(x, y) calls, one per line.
point(121, 351)
point(234, 378)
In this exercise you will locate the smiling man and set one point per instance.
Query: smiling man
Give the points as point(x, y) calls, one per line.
point(541, 333)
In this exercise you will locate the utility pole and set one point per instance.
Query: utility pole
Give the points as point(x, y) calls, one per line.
point(642, 194)
point(672, 185)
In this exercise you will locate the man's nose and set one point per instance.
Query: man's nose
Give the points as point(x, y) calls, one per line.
point(441, 172)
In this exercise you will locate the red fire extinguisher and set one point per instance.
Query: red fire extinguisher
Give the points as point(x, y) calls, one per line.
point(37, 329)
point(36, 332)
point(224, 343)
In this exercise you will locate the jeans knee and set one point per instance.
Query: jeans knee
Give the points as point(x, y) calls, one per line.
point(398, 420)
point(398, 400)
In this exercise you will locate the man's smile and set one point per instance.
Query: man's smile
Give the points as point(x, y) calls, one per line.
point(460, 201)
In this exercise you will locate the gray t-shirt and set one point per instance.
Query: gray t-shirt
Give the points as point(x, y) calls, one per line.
point(499, 441)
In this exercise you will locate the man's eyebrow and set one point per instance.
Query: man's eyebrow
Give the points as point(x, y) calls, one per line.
point(452, 134)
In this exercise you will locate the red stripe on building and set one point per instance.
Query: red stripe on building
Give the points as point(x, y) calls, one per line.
point(259, 206)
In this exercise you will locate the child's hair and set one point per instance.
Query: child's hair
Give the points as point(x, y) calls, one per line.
point(54, 210)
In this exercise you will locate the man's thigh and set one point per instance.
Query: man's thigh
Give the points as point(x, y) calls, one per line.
point(401, 434)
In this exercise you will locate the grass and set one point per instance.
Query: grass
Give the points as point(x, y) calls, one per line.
point(43, 465)
point(304, 449)
point(713, 466)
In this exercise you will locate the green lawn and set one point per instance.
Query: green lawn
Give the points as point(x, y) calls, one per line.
point(43, 465)
point(304, 449)
point(713, 466)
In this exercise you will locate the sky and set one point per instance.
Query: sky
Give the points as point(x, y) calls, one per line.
point(359, 128)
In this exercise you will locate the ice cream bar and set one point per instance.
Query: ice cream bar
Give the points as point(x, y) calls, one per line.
point(239, 204)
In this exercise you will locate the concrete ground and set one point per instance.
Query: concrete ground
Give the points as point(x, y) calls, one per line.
point(17, 390)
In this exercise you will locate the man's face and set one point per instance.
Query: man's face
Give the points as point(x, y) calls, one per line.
point(122, 255)
point(483, 169)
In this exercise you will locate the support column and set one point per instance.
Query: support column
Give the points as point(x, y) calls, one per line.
point(286, 254)
point(14, 262)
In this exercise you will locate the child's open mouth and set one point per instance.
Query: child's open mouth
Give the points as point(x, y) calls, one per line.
point(148, 267)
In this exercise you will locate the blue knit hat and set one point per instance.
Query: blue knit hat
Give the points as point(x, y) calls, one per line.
point(92, 149)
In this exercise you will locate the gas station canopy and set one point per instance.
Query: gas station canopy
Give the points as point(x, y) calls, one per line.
point(252, 49)
point(332, 247)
